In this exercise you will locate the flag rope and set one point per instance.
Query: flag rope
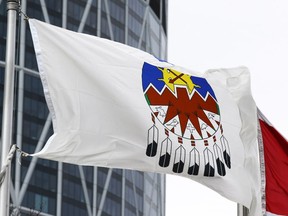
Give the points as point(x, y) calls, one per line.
point(25, 15)
point(11, 153)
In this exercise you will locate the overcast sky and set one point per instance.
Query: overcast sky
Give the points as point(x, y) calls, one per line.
point(209, 34)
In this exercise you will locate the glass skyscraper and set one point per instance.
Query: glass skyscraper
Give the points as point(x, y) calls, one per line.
point(43, 187)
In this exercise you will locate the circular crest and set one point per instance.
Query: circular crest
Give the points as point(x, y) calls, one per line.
point(186, 105)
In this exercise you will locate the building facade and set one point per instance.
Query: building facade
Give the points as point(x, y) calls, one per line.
point(43, 187)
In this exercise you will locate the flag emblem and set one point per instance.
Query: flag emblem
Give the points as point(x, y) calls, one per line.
point(185, 106)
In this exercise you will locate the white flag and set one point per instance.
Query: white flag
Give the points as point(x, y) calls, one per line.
point(116, 106)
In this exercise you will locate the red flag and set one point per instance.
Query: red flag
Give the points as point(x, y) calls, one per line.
point(276, 168)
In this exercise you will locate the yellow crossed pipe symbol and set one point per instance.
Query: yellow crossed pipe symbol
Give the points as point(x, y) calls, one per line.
point(172, 78)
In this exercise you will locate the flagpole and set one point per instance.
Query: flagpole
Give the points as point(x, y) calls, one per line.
point(7, 117)
point(241, 210)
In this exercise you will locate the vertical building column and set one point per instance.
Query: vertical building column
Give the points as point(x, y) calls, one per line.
point(99, 13)
point(85, 190)
point(104, 193)
point(126, 20)
point(59, 189)
point(143, 24)
point(44, 10)
point(152, 191)
point(135, 193)
point(163, 193)
point(94, 205)
point(64, 14)
point(123, 192)
point(109, 20)
point(84, 16)
point(160, 29)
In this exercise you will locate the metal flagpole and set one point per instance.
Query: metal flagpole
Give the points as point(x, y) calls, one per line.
point(7, 117)
point(241, 210)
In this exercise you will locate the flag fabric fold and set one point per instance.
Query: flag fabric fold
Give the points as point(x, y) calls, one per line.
point(116, 106)
point(276, 168)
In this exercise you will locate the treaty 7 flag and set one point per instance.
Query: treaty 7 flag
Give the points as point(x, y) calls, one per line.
point(116, 106)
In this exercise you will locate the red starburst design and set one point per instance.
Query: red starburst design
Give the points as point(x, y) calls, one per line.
point(181, 105)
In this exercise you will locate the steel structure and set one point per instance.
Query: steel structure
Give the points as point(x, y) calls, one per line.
point(51, 188)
